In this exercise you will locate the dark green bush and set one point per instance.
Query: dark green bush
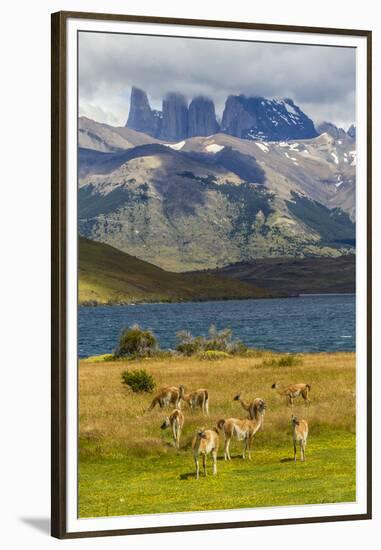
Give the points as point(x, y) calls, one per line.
point(136, 342)
point(138, 380)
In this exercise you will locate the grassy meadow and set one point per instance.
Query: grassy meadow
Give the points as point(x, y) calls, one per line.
point(127, 464)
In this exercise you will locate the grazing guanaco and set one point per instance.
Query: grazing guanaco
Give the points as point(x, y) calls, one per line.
point(168, 396)
point(204, 443)
point(292, 391)
point(251, 407)
point(299, 435)
point(242, 430)
point(176, 421)
point(198, 398)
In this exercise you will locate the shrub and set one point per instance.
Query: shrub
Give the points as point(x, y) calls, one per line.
point(284, 361)
point(187, 344)
point(214, 355)
point(136, 342)
point(138, 380)
point(218, 340)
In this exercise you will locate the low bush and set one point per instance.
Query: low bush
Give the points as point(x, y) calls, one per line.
point(187, 344)
point(138, 380)
point(290, 360)
point(136, 342)
point(218, 340)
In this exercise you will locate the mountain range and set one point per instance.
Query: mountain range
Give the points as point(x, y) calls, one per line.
point(244, 117)
point(182, 191)
point(206, 202)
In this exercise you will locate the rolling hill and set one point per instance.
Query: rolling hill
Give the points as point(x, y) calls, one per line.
point(107, 275)
point(297, 275)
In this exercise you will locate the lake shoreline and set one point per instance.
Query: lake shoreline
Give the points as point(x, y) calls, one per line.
point(294, 324)
point(94, 304)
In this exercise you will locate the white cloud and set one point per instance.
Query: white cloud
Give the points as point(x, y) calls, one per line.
point(320, 79)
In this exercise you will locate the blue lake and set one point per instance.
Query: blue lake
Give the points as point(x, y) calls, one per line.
point(304, 324)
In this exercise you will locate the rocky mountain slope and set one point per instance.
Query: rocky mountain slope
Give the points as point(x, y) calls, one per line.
point(244, 117)
point(265, 119)
point(206, 202)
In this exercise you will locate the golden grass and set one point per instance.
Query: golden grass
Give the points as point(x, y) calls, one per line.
point(114, 421)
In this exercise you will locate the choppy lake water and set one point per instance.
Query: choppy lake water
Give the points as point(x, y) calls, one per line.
point(304, 324)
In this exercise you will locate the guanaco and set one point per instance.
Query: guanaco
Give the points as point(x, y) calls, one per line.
point(299, 435)
point(204, 443)
point(176, 421)
point(292, 391)
point(251, 407)
point(168, 396)
point(241, 430)
point(198, 398)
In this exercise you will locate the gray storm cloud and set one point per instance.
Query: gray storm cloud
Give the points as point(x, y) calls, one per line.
point(320, 79)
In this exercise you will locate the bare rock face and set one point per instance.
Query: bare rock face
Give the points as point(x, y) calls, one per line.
point(202, 117)
point(265, 119)
point(235, 119)
point(141, 117)
point(332, 130)
point(352, 131)
point(175, 117)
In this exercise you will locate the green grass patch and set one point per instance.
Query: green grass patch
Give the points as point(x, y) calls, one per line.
point(127, 484)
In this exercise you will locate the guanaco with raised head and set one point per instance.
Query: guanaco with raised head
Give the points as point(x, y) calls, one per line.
point(293, 391)
point(204, 443)
point(299, 435)
point(251, 407)
point(176, 421)
point(168, 396)
point(198, 398)
point(242, 430)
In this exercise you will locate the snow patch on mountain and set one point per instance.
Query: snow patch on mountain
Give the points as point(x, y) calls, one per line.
point(176, 146)
point(262, 146)
point(214, 148)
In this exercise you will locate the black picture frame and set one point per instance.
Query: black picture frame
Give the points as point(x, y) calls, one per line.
point(59, 282)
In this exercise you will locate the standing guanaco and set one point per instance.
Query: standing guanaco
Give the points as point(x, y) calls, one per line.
point(167, 396)
point(205, 442)
point(198, 398)
point(176, 421)
point(299, 435)
point(242, 430)
point(251, 407)
point(292, 391)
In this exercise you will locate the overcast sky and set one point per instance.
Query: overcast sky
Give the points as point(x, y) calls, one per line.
point(320, 79)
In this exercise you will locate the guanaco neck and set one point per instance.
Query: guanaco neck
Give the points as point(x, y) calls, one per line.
point(244, 405)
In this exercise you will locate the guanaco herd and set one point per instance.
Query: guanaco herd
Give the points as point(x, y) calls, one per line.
point(207, 442)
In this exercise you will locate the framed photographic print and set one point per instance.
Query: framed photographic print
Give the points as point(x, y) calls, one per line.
point(211, 303)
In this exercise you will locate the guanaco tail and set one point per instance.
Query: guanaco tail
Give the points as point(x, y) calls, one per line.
point(168, 396)
point(204, 443)
point(251, 407)
point(176, 421)
point(299, 435)
point(198, 398)
point(292, 391)
point(242, 430)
